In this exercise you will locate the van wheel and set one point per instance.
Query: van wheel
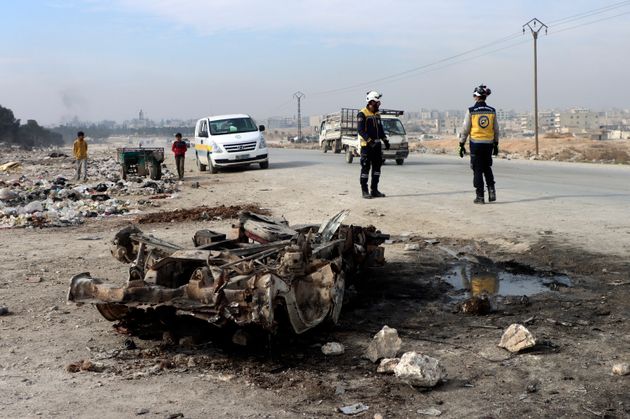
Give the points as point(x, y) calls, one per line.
point(200, 167)
point(349, 155)
point(211, 167)
point(400, 161)
point(264, 164)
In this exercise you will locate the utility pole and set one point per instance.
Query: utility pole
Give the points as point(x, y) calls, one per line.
point(299, 95)
point(535, 26)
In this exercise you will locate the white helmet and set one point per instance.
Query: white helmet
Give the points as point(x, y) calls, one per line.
point(373, 96)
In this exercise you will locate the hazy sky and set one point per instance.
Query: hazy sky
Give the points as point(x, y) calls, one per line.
point(106, 59)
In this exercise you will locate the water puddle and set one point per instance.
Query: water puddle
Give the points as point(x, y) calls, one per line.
point(475, 280)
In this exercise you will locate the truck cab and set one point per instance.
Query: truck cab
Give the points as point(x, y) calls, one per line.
point(229, 140)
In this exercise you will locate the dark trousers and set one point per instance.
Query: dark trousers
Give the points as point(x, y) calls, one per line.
point(179, 162)
point(481, 164)
point(371, 158)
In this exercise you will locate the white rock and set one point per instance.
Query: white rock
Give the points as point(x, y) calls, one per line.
point(387, 365)
point(622, 368)
point(333, 348)
point(419, 370)
point(412, 247)
point(516, 338)
point(431, 411)
point(385, 344)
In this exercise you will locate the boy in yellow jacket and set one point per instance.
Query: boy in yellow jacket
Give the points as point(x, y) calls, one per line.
point(80, 154)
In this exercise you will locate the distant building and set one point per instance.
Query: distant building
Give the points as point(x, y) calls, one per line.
point(578, 121)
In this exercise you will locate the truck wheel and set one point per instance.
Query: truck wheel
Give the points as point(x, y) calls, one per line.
point(200, 167)
point(264, 164)
point(123, 172)
point(349, 155)
point(337, 146)
point(400, 161)
point(324, 147)
point(211, 166)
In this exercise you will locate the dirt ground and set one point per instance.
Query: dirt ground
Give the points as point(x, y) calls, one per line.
point(582, 330)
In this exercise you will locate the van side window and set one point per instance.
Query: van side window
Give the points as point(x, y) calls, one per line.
point(203, 129)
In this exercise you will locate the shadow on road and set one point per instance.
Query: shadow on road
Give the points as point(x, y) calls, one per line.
point(290, 164)
point(428, 163)
point(430, 194)
point(553, 197)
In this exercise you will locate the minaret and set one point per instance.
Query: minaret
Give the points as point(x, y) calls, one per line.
point(141, 115)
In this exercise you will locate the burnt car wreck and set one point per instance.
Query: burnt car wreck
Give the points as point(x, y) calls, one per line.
point(270, 276)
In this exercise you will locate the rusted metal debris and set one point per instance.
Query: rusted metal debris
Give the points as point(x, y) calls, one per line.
point(271, 275)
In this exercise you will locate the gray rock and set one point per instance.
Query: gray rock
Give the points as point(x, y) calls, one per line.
point(387, 365)
point(385, 344)
point(622, 368)
point(420, 370)
point(516, 338)
point(333, 348)
point(4, 311)
point(353, 409)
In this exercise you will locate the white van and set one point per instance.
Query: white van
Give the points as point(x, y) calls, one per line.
point(229, 140)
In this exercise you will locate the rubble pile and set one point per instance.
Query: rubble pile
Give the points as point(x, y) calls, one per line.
point(39, 198)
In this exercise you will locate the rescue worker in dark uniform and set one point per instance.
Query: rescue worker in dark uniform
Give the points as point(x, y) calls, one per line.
point(371, 133)
point(481, 125)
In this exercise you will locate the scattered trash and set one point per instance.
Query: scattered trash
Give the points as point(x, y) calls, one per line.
point(622, 368)
point(477, 305)
point(143, 411)
point(129, 344)
point(39, 199)
point(34, 279)
point(517, 338)
point(195, 185)
point(385, 344)
point(420, 370)
point(12, 165)
point(412, 247)
point(333, 348)
point(353, 409)
point(85, 365)
point(387, 365)
point(431, 411)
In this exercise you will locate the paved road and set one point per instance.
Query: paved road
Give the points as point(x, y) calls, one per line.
point(583, 205)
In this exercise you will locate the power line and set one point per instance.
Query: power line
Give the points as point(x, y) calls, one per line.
point(589, 13)
point(559, 22)
point(589, 23)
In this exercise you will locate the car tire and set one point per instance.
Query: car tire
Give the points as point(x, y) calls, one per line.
point(264, 164)
point(400, 162)
point(211, 167)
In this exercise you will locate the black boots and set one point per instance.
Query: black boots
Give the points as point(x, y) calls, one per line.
point(479, 199)
point(377, 194)
point(366, 193)
point(492, 194)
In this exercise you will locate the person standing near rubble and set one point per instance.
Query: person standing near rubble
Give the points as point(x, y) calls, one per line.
point(481, 125)
point(371, 132)
point(179, 148)
point(79, 149)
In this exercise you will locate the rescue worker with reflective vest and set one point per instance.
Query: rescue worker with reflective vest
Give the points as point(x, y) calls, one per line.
point(371, 133)
point(481, 125)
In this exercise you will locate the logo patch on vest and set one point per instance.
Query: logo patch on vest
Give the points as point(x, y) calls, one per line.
point(484, 121)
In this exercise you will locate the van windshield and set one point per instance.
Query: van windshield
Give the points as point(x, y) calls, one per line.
point(393, 126)
point(232, 126)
